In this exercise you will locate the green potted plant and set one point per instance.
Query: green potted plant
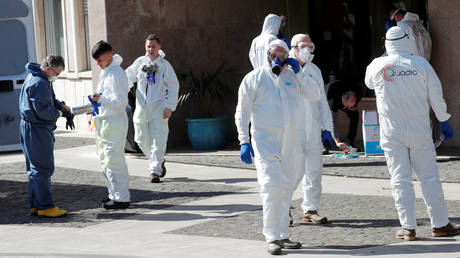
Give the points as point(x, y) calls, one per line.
point(203, 94)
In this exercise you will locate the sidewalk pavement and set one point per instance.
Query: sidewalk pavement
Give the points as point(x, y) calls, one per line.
point(157, 233)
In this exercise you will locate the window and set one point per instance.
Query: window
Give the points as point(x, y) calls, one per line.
point(54, 28)
point(13, 49)
point(88, 47)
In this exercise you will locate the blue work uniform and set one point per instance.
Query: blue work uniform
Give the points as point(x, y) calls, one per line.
point(285, 39)
point(39, 112)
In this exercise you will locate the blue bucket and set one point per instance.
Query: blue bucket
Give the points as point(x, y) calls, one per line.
point(207, 133)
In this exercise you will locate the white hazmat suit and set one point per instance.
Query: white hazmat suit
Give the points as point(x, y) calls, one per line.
point(151, 129)
point(418, 35)
point(317, 116)
point(405, 87)
point(259, 45)
point(111, 129)
point(273, 106)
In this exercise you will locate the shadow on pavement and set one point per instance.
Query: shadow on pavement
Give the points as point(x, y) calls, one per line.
point(50, 254)
point(365, 223)
point(83, 201)
point(409, 249)
point(166, 216)
point(356, 164)
point(216, 180)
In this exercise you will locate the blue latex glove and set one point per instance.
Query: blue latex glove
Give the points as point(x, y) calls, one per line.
point(294, 64)
point(246, 153)
point(95, 105)
point(327, 138)
point(389, 24)
point(447, 130)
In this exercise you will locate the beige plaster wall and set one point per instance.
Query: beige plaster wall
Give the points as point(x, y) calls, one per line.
point(444, 17)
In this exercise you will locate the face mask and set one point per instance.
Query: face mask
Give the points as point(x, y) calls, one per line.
point(304, 54)
point(52, 78)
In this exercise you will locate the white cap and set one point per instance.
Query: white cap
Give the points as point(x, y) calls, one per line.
point(297, 37)
point(278, 43)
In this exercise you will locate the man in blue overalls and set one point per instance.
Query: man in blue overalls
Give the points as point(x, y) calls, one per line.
point(39, 112)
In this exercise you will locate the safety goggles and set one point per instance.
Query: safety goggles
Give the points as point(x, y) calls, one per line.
point(310, 45)
point(277, 51)
point(55, 72)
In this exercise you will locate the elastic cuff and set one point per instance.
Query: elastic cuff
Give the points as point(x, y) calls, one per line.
point(171, 107)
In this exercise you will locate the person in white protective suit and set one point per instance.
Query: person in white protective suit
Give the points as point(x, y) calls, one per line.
point(259, 45)
point(112, 125)
point(419, 37)
point(156, 99)
point(405, 87)
point(317, 117)
point(270, 99)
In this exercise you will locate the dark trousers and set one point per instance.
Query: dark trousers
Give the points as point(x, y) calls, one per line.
point(353, 115)
point(37, 142)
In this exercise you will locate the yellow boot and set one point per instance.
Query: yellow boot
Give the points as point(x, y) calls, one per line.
point(52, 212)
point(33, 212)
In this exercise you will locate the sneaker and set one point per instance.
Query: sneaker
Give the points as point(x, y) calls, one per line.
point(163, 169)
point(111, 205)
point(52, 212)
point(406, 234)
point(448, 230)
point(274, 247)
point(154, 178)
point(313, 216)
point(288, 244)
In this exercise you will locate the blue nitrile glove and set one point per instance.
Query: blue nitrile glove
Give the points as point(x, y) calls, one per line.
point(389, 24)
point(246, 153)
point(95, 105)
point(447, 130)
point(294, 64)
point(327, 138)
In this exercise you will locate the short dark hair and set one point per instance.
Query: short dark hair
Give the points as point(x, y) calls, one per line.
point(100, 48)
point(348, 94)
point(153, 37)
point(401, 12)
point(53, 61)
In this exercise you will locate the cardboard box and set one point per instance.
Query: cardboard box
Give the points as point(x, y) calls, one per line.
point(371, 133)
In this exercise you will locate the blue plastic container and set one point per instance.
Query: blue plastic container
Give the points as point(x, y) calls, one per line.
point(207, 133)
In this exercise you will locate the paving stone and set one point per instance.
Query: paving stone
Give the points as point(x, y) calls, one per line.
point(80, 192)
point(355, 222)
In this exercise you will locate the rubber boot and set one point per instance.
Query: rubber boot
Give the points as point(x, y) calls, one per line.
point(52, 212)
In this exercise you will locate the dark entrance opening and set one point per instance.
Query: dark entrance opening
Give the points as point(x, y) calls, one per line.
point(347, 33)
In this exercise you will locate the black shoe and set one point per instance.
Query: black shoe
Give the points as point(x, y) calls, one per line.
point(274, 248)
point(154, 178)
point(163, 169)
point(111, 205)
point(106, 199)
point(288, 244)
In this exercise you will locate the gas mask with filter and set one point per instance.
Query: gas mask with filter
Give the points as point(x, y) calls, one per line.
point(151, 70)
point(277, 59)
